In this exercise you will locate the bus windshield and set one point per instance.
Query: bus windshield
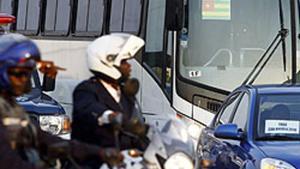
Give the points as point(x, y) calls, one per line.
point(223, 40)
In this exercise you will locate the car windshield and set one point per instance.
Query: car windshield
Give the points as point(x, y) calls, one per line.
point(279, 117)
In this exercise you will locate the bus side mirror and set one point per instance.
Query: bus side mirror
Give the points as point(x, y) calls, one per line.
point(48, 84)
point(174, 15)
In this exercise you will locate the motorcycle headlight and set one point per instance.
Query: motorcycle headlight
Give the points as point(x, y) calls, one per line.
point(55, 124)
point(194, 130)
point(270, 163)
point(179, 161)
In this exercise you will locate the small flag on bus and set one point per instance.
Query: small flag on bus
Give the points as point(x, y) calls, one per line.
point(216, 9)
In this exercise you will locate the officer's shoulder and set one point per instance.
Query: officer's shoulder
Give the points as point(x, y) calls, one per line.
point(87, 84)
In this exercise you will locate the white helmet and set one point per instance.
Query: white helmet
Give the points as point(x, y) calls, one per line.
point(106, 53)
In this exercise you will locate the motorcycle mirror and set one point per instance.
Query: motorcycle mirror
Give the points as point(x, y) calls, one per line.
point(131, 87)
point(174, 13)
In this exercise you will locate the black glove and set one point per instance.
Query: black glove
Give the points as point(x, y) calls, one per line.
point(136, 127)
point(111, 156)
point(73, 148)
point(59, 150)
point(116, 119)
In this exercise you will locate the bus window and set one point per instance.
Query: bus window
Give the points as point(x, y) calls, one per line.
point(57, 19)
point(155, 37)
point(28, 17)
point(90, 16)
point(155, 26)
point(158, 45)
point(126, 16)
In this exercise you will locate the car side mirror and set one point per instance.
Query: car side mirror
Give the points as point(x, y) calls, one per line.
point(48, 83)
point(174, 15)
point(228, 131)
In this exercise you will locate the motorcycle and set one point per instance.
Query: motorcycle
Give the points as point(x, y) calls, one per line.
point(169, 148)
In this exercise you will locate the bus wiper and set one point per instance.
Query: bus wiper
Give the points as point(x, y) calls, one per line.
point(283, 35)
point(277, 137)
point(280, 38)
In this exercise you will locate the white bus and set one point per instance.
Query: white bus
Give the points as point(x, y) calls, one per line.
point(196, 52)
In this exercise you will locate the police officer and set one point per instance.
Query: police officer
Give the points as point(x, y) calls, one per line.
point(106, 100)
point(22, 144)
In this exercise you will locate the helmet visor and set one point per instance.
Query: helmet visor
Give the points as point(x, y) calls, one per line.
point(18, 72)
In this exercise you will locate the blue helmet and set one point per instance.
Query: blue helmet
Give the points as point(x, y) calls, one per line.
point(16, 51)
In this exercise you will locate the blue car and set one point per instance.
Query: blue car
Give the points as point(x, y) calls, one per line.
point(44, 110)
point(257, 127)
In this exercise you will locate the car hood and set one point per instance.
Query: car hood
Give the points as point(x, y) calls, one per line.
point(39, 103)
point(288, 151)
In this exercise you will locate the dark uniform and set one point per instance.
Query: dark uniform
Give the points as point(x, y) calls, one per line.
point(107, 59)
point(90, 100)
point(22, 145)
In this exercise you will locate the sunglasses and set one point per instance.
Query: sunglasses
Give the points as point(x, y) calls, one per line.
point(19, 73)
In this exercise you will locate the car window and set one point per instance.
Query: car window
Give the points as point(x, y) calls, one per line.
point(279, 116)
point(228, 110)
point(240, 116)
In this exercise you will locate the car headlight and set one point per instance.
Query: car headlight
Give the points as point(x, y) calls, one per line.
point(55, 124)
point(179, 161)
point(271, 163)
